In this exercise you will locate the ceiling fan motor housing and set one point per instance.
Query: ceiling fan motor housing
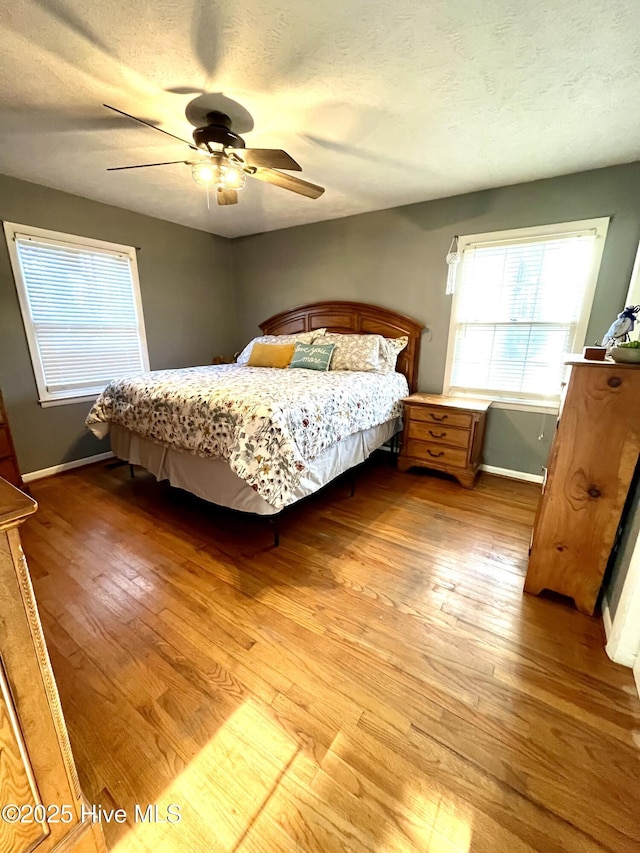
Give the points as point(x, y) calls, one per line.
point(217, 131)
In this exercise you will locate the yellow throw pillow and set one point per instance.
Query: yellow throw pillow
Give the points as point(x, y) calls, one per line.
point(271, 355)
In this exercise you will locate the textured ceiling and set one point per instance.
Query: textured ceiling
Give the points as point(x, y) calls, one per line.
point(383, 103)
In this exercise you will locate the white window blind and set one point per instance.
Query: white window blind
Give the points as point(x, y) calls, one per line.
point(521, 306)
point(81, 307)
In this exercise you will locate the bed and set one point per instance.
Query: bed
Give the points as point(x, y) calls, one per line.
point(275, 436)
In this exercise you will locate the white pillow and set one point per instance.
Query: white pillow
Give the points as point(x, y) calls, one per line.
point(394, 348)
point(298, 337)
point(359, 352)
point(370, 353)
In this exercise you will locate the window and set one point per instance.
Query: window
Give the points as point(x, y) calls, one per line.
point(522, 303)
point(81, 308)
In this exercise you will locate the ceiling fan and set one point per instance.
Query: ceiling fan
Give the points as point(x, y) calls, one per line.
point(225, 161)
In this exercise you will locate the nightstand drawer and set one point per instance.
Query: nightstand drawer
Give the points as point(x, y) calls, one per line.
point(438, 454)
point(5, 447)
point(436, 415)
point(439, 434)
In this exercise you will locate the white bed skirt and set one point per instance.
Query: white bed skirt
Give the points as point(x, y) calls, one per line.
point(213, 479)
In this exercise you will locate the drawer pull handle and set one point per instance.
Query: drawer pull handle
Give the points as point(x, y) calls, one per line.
point(435, 455)
point(436, 435)
point(614, 382)
point(439, 419)
point(594, 492)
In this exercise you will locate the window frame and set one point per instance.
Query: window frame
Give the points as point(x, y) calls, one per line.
point(633, 295)
point(545, 405)
point(45, 398)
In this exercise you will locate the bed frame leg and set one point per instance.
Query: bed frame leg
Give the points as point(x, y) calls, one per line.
point(273, 521)
point(132, 470)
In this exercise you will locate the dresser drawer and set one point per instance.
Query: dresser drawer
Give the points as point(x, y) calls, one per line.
point(439, 434)
point(443, 417)
point(5, 447)
point(438, 454)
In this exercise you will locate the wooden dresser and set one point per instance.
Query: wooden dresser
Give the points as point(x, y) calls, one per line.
point(591, 466)
point(445, 433)
point(8, 463)
point(38, 773)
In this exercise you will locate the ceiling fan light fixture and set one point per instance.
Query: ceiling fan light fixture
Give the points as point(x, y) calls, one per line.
point(220, 176)
point(233, 178)
point(205, 174)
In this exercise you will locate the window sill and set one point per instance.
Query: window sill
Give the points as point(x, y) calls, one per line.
point(541, 407)
point(69, 401)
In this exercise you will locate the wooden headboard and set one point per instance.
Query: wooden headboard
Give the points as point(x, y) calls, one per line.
point(354, 318)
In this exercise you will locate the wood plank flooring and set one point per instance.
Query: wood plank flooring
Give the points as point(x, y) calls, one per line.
point(377, 683)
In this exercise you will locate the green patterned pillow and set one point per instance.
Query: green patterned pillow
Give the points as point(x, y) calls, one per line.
point(312, 356)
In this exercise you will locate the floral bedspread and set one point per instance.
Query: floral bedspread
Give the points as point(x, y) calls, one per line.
point(267, 423)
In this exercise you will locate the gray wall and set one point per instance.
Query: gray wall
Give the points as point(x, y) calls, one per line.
point(188, 303)
point(395, 258)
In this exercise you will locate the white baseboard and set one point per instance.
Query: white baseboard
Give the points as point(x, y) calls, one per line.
point(66, 466)
point(513, 475)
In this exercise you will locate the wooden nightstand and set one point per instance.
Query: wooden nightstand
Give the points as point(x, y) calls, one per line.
point(8, 462)
point(445, 433)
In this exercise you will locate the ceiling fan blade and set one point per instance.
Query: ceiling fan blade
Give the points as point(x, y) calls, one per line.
point(145, 165)
point(227, 197)
point(272, 158)
point(152, 126)
point(288, 182)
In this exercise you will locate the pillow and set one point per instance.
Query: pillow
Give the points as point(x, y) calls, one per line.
point(302, 337)
point(394, 348)
point(359, 352)
point(312, 356)
point(271, 355)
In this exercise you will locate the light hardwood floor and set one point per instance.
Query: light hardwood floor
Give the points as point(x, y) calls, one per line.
point(378, 683)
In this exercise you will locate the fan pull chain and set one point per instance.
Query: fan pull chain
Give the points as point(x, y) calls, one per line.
point(542, 426)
